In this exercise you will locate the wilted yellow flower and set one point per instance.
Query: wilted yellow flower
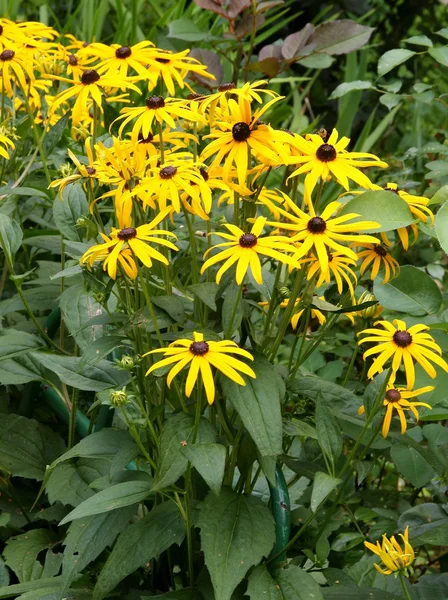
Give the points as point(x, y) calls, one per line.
point(394, 557)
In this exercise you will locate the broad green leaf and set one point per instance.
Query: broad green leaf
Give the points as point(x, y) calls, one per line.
point(261, 584)
point(21, 551)
point(69, 483)
point(78, 307)
point(440, 196)
point(316, 61)
point(390, 100)
point(296, 41)
point(22, 191)
point(27, 447)
point(39, 298)
point(101, 348)
point(178, 431)
point(51, 243)
point(232, 309)
point(443, 32)
point(4, 574)
point(350, 86)
point(71, 371)
point(205, 292)
point(68, 209)
point(296, 427)
point(186, 30)
point(113, 497)
point(441, 224)
point(258, 405)
point(323, 485)
point(236, 533)
point(342, 592)
point(87, 538)
point(413, 291)
point(428, 524)
point(440, 55)
point(140, 543)
point(209, 460)
point(187, 594)
point(171, 305)
point(339, 37)
point(419, 40)
point(21, 369)
point(345, 541)
point(411, 465)
point(335, 395)
point(385, 208)
point(391, 59)
point(297, 584)
point(10, 236)
point(329, 434)
point(15, 343)
point(53, 136)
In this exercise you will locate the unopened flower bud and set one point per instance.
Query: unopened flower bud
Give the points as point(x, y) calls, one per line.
point(371, 312)
point(127, 362)
point(284, 292)
point(118, 398)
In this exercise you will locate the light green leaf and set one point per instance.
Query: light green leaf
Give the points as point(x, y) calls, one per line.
point(413, 291)
point(21, 551)
point(78, 307)
point(186, 30)
point(440, 196)
point(53, 136)
point(236, 533)
point(177, 431)
point(206, 292)
point(335, 395)
point(440, 55)
point(113, 497)
point(392, 58)
point(140, 543)
point(350, 86)
point(316, 61)
point(390, 100)
point(329, 434)
point(411, 465)
point(443, 32)
point(10, 236)
point(345, 541)
point(209, 460)
point(385, 208)
point(323, 485)
point(101, 348)
point(261, 585)
point(67, 210)
point(15, 343)
point(258, 405)
point(441, 224)
point(419, 40)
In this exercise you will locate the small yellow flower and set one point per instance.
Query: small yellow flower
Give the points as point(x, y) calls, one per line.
point(83, 171)
point(315, 313)
point(403, 345)
point(201, 355)
point(339, 266)
point(174, 67)
point(15, 65)
point(394, 557)
point(5, 141)
point(117, 60)
point(376, 255)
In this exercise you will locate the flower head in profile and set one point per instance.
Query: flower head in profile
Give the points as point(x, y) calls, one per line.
point(135, 239)
point(398, 399)
point(329, 158)
point(375, 256)
point(15, 65)
point(394, 557)
point(84, 172)
point(201, 356)
point(404, 346)
point(173, 67)
point(117, 60)
point(340, 268)
point(246, 248)
point(4, 143)
point(295, 317)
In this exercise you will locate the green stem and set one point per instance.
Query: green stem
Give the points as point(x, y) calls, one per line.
point(350, 366)
point(72, 419)
point(229, 329)
point(193, 249)
point(403, 585)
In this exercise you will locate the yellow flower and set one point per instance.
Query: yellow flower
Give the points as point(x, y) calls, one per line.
point(371, 312)
point(398, 399)
point(330, 158)
point(173, 68)
point(89, 86)
point(201, 355)
point(403, 345)
point(322, 232)
point(339, 266)
point(15, 66)
point(5, 141)
point(84, 171)
point(136, 239)
point(394, 557)
point(116, 60)
point(377, 255)
point(245, 249)
point(315, 313)
point(162, 110)
point(10, 32)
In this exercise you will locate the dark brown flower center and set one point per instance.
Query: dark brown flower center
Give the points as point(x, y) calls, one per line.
point(90, 170)
point(155, 102)
point(316, 225)
point(326, 153)
point(248, 240)
point(330, 256)
point(380, 250)
point(204, 173)
point(199, 348)
point(7, 55)
point(241, 132)
point(85, 44)
point(145, 140)
point(72, 60)
point(393, 395)
point(194, 96)
point(123, 52)
point(226, 87)
point(164, 61)
point(90, 76)
point(402, 338)
point(168, 172)
point(1, 30)
point(389, 189)
point(128, 233)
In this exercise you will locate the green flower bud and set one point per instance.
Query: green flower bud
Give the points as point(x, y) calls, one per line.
point(118, 398)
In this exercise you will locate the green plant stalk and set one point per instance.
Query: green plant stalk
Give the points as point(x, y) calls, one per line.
point(72, 419)
point(403, 585)
point(193, 248)
point(229, 329)
point(272, 301)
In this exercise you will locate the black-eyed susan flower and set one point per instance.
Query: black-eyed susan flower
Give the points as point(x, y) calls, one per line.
point(137, 239)
point(89, 86)
point(118, 60)
point(84, 171)
point(397, 398)
point(375, 256)
point(322, 232)
point(295, 317)
point(200, 356)
point(340, 267)
point(5, 142)
point(125, 258)
point(15, 66)
point(326, 159)
point(173, 67)
point(245, 249)
point(394, 557)
point(10, 32)
point(404, 346)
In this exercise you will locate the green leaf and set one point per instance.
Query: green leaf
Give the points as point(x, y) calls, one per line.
point(101, 348)
point(172, 305)
point(390, 100)
point(440, 55)
point(21, 369)
point(232, 309)
point(296, 427)
point(441, 224)
point(346, 541)
point(323, 485)
point(428, 524)
point(4, 573)
point(335, 395)
point(411, 465)
point(339, 37)
point(177, 431)
point(440, 196)
point(71, 371)
point(297, 584)
point(419, 40)
point(39, 298)
point(186, 30)
point(87, 538)
point(67, 210)
point(78, 307)
point(69, 483)
point(205, 292)
point(113, 497)
point(27, 447)
point(385, 208)
point(258, 405)
point(391, 59)
point(413, 291)
point(10, 236)
point(316, 61)
point(443, 32)
point(350, 86)
point(209, 460)
point(329, 434)
point(262, 585)
point(236, 533)
point(55, 133)
point(21, 551)
point(22, 191)
point(15, 343)
point(140, 543)
point(186, 594)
